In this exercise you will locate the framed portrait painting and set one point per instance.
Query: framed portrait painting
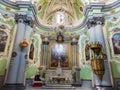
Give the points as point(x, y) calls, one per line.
point(116, 43)
point(87, 51)
point(3, 40)
point(59, 55)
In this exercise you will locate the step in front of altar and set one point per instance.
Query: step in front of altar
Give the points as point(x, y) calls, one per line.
point(58, 86)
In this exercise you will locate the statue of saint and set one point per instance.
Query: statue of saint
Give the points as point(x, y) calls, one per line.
point(31, 53)
point(59, 62)
point(59, 69)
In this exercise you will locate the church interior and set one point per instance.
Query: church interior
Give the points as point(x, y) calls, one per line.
point(59, 45)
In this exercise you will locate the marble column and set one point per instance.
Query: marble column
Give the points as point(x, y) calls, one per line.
point(16, 68)
point(74, 53)
point(100, 38)
point(45, 53)
point(95, 25)
point(75, 63)
point(24, 52)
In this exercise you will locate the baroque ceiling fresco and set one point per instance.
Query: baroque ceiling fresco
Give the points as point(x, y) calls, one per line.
point(64, 12)
point(59, 14)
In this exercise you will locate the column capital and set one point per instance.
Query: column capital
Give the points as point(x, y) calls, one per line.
point(90, 23)
point(95, 20)
point(99, 20)
point(24, 18)
point(45, 42)
point(74, 43)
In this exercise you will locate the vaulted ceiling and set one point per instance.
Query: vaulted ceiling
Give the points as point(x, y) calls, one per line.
point(61, 12)
point(70, 12)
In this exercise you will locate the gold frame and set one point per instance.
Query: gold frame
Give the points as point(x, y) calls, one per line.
point(50, 47)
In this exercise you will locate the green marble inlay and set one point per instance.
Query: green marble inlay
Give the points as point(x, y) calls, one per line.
point(86, 73)
point(2, 66)
point(31, 71)
point(84, 38)
point(36, 47)
point(116, 69)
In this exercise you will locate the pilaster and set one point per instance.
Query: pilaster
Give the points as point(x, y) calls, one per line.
point(74, 51)
point(45, 52)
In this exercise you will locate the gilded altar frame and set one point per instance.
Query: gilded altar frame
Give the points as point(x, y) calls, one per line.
point(67, 45)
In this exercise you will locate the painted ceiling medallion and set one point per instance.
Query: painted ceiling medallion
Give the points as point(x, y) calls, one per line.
point(112, 11)
point(8, 8)
point(61, 26)
point(39, 8)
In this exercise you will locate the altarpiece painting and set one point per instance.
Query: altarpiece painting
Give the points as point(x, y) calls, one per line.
point(59, 55)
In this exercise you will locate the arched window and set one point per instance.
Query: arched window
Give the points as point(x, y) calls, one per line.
point(3, 40)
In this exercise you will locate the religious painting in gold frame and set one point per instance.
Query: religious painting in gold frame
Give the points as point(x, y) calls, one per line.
point(59, 53)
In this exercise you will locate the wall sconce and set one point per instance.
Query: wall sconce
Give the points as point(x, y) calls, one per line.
point(24, 43)
point(97, 59)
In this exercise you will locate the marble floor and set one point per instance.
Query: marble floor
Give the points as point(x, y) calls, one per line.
point(38, 88)
point(58, 87)
point(67, 87)
point(76, 88)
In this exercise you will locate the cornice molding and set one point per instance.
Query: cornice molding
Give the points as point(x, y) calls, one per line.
point(26, 4)
point(9, 4)
point(111, 6)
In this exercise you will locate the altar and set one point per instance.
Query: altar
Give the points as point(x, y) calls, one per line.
point(51, 77)
point(58, 79)
point(59, 62)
